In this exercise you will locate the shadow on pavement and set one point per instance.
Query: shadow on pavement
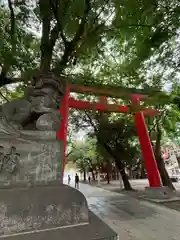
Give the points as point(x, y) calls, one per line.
point(120, 206)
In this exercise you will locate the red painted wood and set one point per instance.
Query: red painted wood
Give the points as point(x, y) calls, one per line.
point(147, 152)
point(82, 105)
point(146, 147)
point(62, 134)
point(101, 91)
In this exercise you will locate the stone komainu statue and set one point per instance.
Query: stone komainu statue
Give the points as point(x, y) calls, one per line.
point(37, 110)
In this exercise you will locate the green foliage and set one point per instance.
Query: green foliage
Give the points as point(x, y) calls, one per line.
point(72, 28)
point(119, 135)
point(81, 31)
point(155, 22)
point(24, 56)
point(11, 92)
point(84, 155)
point(167, 121)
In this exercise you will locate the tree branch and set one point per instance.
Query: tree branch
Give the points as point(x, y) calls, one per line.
point(69, 153)
point(107, 148)
point(46, 51)
point(58, 27)
point(91, 122)
point(104, 145)
point(81, 28)
point(12, 30)
point(93, 30)
point(152, 128)
point(5, 80)
point(4, 97)
point(71, 46)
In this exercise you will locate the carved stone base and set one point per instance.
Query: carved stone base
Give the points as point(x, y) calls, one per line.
point(49, 212)
point(43, 209)
point(159, 192)
point(37, 156)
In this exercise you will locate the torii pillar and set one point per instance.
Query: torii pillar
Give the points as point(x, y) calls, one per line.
point(146, 147)
point(62, 134)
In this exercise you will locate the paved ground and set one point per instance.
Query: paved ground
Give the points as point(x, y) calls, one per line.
point(138, 184)
point(173, 202)
point(133, 219)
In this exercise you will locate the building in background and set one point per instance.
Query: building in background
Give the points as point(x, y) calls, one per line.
point(171, 156)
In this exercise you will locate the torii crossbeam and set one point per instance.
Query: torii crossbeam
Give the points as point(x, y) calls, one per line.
point(138, 111)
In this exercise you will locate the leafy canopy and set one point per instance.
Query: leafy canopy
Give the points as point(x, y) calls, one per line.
point(57, 35)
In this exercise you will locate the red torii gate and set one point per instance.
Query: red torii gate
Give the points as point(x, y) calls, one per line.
point(102, 105)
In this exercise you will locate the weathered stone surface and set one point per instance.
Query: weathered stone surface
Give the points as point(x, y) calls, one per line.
point(159, 192)
point(36, 158)
point(47, 122)
point(41, 98)
point(94, 230)
point(12, 109)
point(41, 208)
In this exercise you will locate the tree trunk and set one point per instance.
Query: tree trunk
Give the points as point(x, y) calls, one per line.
point(166, 181)
point(124, 176)
point(125, 179)
point(130, 173)
point(46, 47)
point(119, 164)
point(93, 175)
point(91, 169)
point(142, 170)
point(108, 178)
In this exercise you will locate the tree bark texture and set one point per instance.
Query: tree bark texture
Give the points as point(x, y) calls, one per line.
point(166, 181)
point(124, 176)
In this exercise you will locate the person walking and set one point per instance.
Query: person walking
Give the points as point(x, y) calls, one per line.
point(69, 179)
point(77, 181)
point(89, 179)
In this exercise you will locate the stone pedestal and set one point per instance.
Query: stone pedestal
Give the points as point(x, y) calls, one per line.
point(159, 192)
point(37, 156)
point(33, 203)
point(48, 212)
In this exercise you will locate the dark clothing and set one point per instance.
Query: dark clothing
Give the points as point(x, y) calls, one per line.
point(77, 181)
point(69, 180)
point(77, 185)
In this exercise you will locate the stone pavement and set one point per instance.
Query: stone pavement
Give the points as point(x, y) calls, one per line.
point(130, 218)
point(137, 184)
